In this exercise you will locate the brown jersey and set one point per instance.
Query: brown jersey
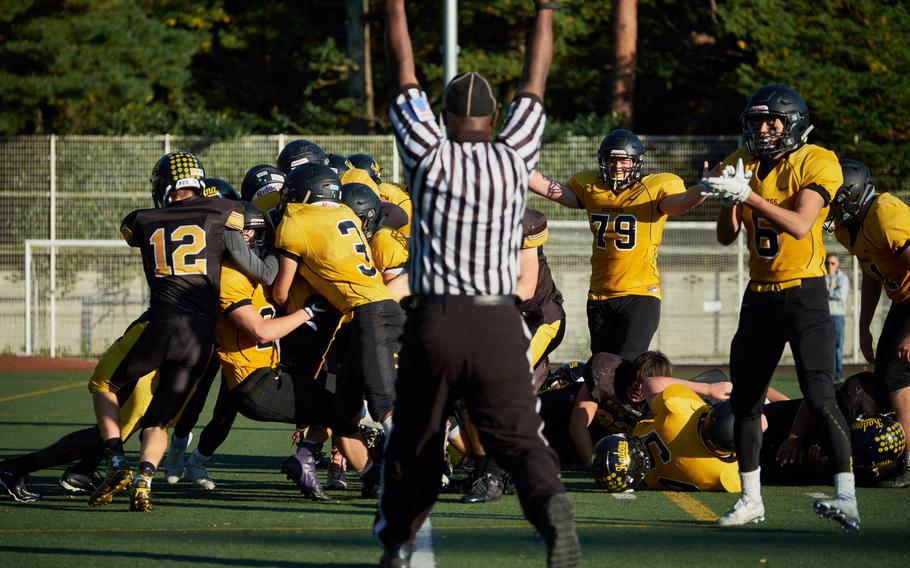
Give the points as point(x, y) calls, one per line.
point(181, 248)
point(614, 414)
point(534, 235)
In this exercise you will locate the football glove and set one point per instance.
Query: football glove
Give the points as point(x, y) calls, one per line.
point(731, 186)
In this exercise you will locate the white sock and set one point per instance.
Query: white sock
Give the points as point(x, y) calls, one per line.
point(751, 482)
point(199, 458)
point(844, 486)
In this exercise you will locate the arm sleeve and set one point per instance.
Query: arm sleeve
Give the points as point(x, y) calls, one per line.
point(523, 128)
point(414, 124)
point(534, 229)
point(263, 271)
point(129, 229)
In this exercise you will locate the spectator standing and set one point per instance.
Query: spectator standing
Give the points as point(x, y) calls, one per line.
point(838, 290)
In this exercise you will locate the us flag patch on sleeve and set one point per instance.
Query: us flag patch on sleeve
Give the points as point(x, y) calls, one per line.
point(421, 108)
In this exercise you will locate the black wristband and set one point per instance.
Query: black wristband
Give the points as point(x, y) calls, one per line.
point(547, 6)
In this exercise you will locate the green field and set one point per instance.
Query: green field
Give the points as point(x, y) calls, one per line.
point(256, 518)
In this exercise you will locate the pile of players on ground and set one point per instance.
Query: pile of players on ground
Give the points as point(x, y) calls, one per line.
point(329, 244)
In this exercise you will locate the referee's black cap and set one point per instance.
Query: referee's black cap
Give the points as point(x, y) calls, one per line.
point(470, 94)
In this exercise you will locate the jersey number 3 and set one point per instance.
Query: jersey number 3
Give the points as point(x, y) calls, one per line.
point(624, 227)
point(345, 228)
point(171, 251)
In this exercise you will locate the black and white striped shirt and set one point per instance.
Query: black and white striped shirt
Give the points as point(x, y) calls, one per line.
point(468, 197)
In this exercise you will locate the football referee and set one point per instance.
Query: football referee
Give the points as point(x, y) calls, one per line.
point(464, 337)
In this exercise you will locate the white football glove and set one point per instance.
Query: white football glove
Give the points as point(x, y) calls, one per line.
point(731, 186)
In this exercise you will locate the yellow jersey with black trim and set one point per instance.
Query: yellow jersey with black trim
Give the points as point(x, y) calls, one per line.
point(776, 256)
point(682, 462)
point(390, 249)
point(627, 226)
point(332, 254)
point(269, 203)
point(396, 194)
point(239, 353)
point(879, 242)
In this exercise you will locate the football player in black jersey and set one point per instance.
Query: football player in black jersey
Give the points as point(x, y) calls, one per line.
point(181, 241)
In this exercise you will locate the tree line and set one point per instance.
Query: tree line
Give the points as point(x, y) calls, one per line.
point(231, 67)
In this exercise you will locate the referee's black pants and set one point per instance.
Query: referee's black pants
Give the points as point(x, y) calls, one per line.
point(450, 350)
point(767, 321)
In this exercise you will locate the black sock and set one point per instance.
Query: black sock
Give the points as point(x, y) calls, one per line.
point(146, 469)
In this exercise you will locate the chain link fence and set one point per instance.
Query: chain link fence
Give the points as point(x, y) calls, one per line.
point(80, 187)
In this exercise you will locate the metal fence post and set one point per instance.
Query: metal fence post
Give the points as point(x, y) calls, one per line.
point(28, 297)
point(396, 161)
point(856, 298)
point(53, 251)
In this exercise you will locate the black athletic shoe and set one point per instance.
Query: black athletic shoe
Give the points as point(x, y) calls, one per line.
point(17, 485)
point(75, 483)
point(487, 487)
point(396, 557)
point(370, 480)
point(563, 549)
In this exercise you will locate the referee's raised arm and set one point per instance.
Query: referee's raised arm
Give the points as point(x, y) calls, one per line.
point(539, 52)
point(399, 52)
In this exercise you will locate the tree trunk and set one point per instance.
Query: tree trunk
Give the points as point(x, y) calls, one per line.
point(625, 40)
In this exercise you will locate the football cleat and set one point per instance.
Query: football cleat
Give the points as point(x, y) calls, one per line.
point(118, 478)
point(841, 510)
point(371, 483)
point(487, 487)
point(396, 557)
point(175, 459)
point(744, 511)
point(141, 495)
point(301, 469)
point(74, 482)
point(198, 475)
point(558, 530)
point(337, 465)
point(17, 485)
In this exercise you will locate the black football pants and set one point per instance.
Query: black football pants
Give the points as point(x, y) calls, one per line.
point(479, 353)
point(623, 326)
point(768, 321)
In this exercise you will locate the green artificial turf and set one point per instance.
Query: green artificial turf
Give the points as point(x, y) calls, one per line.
point(256, 518)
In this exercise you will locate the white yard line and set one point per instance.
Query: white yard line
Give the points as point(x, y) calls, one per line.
point(423, 556)
point(818, 495)
point(624, 496)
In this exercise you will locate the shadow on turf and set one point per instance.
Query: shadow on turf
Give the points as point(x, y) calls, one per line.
point(109, 554)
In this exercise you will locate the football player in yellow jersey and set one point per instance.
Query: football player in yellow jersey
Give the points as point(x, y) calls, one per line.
point(627, 212)
point(322, 241)
point(691, 443)
point(876, 228)
point(388, 246)
point(396, 203)
point(389, 192)
point(778, 186)
point(261, 186)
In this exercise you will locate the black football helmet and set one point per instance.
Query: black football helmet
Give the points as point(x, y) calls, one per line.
point(619, 462)
point(300, 152)
point(254, 220)
point(715, 428)
point(620, 144)
point(368, 163)
point(177, 170)
point(852, 196)
point(260, 180)
point(338, 163)
point(364, 202)
point(878, 445)
point(217, 187)
point(311, 182)
point(776, 101)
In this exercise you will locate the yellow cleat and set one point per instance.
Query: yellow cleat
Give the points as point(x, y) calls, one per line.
point(117, 479)
point(141, 496)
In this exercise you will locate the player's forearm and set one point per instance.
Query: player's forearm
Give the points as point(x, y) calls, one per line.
point(728, 225)
point(552, 190)
point(399, 51)
point(796, 223)
point(538, 54)
point(679, 203)
point(276, 328)
point(262, 271)
point(870, 292)
point(399, 286)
